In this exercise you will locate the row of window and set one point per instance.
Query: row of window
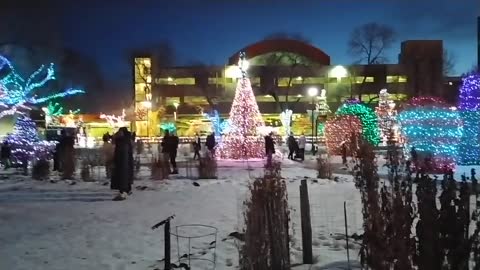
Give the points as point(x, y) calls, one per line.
point(283, 82)
point(200, 100)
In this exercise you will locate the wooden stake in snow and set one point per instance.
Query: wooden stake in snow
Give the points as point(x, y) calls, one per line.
point(306, 224)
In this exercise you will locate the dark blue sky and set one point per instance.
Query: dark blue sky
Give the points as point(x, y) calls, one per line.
point(210, 31)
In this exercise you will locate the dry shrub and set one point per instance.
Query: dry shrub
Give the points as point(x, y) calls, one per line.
point(324, 168)
point(41, 170)
point(207, 167)
point(160, 168)
point(266, 224)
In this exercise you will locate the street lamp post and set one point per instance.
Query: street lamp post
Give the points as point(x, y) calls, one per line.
point(313, 92)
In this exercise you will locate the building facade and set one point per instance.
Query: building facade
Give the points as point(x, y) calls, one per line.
point(281, 71)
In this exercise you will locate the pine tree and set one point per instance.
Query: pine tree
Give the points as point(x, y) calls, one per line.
point(25, 143)
point(242, 140)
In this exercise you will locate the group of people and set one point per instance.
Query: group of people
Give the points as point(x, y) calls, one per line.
point(296, 149)
point(210, 143)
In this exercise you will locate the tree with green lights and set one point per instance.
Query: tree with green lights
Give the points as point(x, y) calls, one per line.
point(367, 117)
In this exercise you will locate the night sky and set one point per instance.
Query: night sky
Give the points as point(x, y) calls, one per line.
point(210, 31)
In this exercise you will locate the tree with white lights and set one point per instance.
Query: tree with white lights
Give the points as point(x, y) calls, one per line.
point(286, 119)
point(115, 121)
point(386, 114)
point(242, 141)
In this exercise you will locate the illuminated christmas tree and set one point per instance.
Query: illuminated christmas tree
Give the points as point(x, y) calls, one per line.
point(386, 114)
point(469, 105)
point(323, 110)
point(26, 145)
point(242, 141)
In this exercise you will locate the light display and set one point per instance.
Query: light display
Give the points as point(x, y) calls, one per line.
point(19, 92)
point(242, 140)
point(219, 126)
point(168, 126)
point(434, 130)
point(115, 121)
point(367, 117)
point(342, 130)
point(469, 106)
point(286, 119)
point(26, 145)
point(386, 115)
point(322, 105)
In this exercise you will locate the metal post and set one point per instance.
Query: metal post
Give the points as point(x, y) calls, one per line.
point(346, 233)
point(167, 245)
point(313, 116)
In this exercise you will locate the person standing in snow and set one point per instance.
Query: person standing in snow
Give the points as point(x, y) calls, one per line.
point(210, 143)
point(269, 148)
point(292, 146)
point(107, 152)
point(6, 154)
point(122, 175)
point(197, 146)
point(169, 149)
point(302, 141)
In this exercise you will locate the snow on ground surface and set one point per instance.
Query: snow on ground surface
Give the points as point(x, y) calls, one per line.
point(46, 225)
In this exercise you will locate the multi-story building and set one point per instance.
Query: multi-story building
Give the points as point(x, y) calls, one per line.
point(280, 72)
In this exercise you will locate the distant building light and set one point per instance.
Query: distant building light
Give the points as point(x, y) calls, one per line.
point(299, 95)
point(450, 83)
point(299, 78)
point(170, 79)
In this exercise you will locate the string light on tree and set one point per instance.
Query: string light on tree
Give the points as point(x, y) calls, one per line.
point(115, 121)
point(286, 119)
point(20, 92)
point(242, 140)
point(343, 129)
point(433, 129)
point(219, 126)
point(26, 145)
point(367, 117)
point(469, 106)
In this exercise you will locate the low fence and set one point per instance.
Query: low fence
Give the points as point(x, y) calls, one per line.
point(327, 222)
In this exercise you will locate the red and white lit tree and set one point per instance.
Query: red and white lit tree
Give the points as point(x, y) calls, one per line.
point(243, 141)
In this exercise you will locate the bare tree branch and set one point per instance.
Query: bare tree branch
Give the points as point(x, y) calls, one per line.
point(369, 42)
point(449, 60)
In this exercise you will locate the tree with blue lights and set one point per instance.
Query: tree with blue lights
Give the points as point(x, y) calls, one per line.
point(469, 106)
point(17, 92)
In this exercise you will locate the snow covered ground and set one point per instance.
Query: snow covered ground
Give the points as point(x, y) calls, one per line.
point(61, 225)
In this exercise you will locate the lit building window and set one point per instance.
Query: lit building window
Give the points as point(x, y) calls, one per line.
point(175, 81)
point(396, 79)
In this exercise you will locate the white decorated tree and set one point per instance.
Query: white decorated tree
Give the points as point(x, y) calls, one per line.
point(386, 114)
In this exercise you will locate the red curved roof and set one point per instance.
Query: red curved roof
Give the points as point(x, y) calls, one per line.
point(283, 45)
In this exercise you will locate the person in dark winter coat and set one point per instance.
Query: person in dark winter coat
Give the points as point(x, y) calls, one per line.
point(6, 154)
point(269, 148)
point(122, 175)
point(344, 153)
point(292, 146)
point(197, 147)
point(210, 143)
point(169, 148)
point(67, 155)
